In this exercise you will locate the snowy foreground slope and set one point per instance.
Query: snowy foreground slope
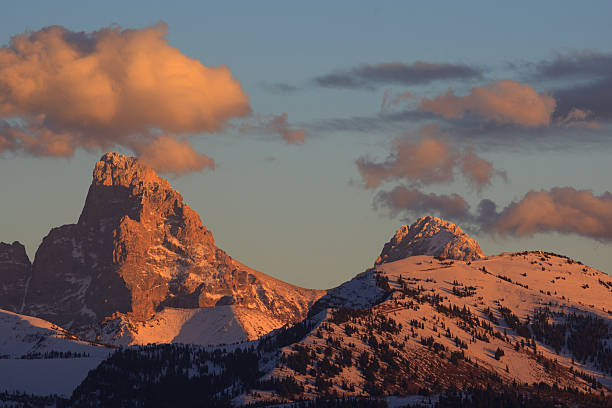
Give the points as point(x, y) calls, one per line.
point(41, 358)
point(442, 323)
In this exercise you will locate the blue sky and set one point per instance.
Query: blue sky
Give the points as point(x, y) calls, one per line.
point(299, 212)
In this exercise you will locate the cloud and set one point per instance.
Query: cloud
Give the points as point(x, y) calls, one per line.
point(274, 124)
point(62, 90)
point(580, 119)
point(417, 73)
point(388, 101)
point(576, 64)
point(591, 74)
point(412, 201)
point(504, 102)
point(426, 158)
point(280, 125)
point(170, 155)
point(594, 97)
point(562, 209)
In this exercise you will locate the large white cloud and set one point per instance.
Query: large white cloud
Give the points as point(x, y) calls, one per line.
point(61, 90)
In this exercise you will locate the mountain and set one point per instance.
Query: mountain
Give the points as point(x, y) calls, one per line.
point(529, 326)
point(15, 271)
point(139, 256)
point(430, 236)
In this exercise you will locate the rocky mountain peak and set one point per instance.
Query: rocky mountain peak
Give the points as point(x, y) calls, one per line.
point(430, 236)
point(137, 249)
point(118, 170)
point(124, 186)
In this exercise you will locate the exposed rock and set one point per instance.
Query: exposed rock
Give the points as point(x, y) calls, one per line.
point(138, 248)
point(430, 236)
point(15, 270)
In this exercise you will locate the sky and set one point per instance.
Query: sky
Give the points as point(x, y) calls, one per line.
point(305, 134)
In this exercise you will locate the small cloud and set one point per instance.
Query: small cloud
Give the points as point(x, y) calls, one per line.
point(579, 118)
point(275, 124)
point(561, 209)
point(389, 101)
point(279, 125)
point(426, 158)
point(167, 154)
point(504, 102)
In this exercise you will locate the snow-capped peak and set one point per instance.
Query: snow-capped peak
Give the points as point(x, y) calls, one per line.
point(430, 236)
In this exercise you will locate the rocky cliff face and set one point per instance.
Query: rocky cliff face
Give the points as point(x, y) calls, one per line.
point(430, 236)
point(136, 249)
point(15, 270)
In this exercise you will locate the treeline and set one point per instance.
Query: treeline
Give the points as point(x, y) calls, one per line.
point(24, 400)
point(53, 354)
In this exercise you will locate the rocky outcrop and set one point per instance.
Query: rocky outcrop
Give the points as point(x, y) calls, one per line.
point(430, 236)
point(136, 249)
point(15, 270)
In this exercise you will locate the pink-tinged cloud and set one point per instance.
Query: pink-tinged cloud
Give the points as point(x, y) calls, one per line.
point(580, 119)
point(280, 125)
point(562, 209)
point(62, 90)
point(479, 171)
point(425, 159)
point(167, 154)
point(506, 102)
point(413, 201)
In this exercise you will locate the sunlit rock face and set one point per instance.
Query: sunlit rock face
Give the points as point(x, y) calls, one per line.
point(15, 270)
point(136, 249)
point(430, 236)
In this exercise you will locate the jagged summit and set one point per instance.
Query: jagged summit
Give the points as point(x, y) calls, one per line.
point(430, 236)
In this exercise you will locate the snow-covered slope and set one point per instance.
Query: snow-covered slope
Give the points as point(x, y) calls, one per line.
point(442, 322)
point(202, 326)
point(41, 358)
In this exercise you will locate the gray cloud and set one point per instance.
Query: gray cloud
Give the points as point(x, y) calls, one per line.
point(370, 76)
point(591, 74)
point(577, 64)
point(412, 201)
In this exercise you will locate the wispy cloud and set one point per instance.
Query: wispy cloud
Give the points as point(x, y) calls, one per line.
point(279, 88)
point(396, 73)
point(275, 124)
